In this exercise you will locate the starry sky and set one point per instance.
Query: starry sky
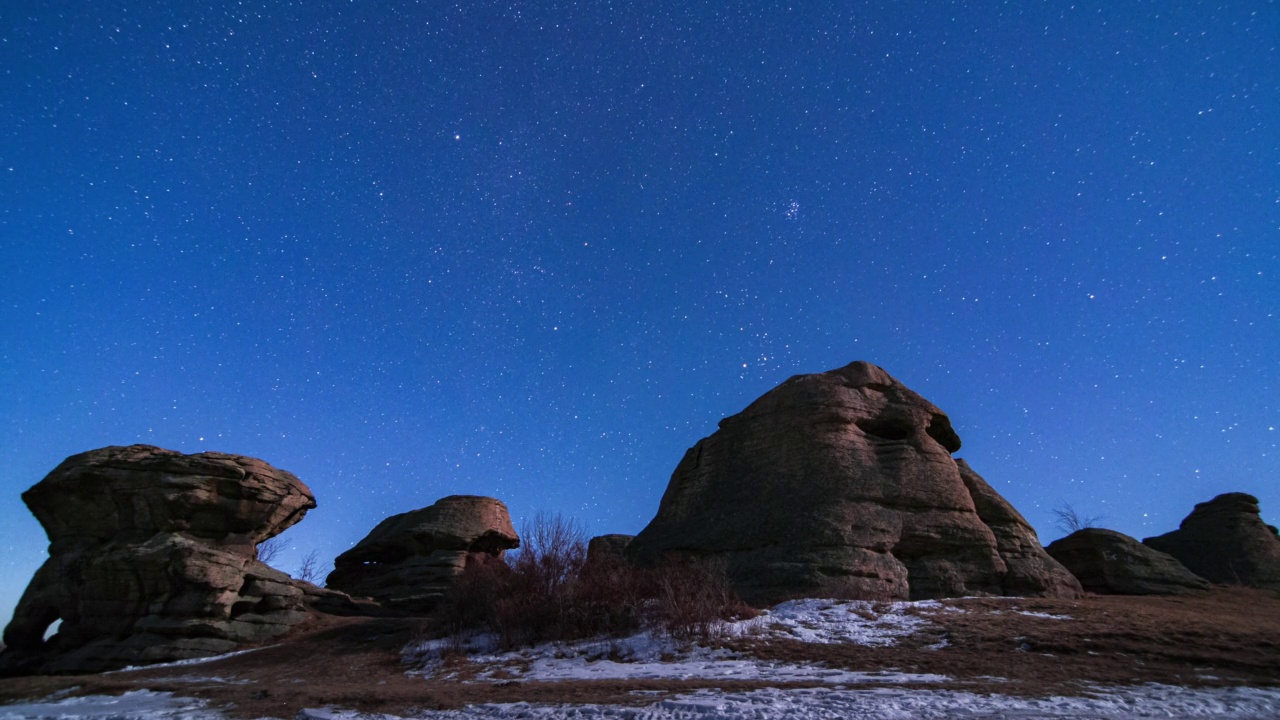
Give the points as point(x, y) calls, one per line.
point(535, 250)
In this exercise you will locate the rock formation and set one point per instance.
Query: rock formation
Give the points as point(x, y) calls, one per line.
point(1111, 563)
point(152, 558)
point(612, 546)
point(842, 483)
point(1225, 541)
point(409, 560)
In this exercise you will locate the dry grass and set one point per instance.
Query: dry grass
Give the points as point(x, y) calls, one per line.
point(1224, 637)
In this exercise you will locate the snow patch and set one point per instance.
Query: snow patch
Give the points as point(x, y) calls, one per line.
point(859, 622)
point(651, 655)
point(1147, 701)
point(134, 705)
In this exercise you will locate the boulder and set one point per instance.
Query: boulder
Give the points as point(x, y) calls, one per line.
point(152, 558)
point(408, 561)
point(1111, 563)
point(1225, 541)
point(608, 546)
point(842, 484)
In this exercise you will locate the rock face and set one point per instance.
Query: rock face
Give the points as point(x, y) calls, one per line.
point(1111, 563)
point(152, 558)
point(1225, 541)
point(409, 560)
point(842, 484)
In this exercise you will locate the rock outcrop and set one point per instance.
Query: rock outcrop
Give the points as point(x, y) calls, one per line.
point(842, 483)
point(1225, 541)
point(409, 560)
point(152, 558)
point(608, 546)
point(1111, 563)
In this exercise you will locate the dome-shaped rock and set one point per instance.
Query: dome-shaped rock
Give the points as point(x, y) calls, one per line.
point(842, 483)
point(1111, 563)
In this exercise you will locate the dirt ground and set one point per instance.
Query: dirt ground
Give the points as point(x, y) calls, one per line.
point(1229, 636)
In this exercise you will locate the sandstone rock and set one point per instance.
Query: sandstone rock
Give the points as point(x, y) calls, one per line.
point(1225, 541)
point(152, 558)
point(409, 560)
point(1111, 563)
point(1030, 570)
point(842, 483)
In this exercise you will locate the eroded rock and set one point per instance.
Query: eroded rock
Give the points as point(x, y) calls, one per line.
point(1225, 541)
point(842, 484)
point(152, 558)
point(409, 560)
point(1112, 563)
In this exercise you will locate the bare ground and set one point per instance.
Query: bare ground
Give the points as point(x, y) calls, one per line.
point(1229, 636)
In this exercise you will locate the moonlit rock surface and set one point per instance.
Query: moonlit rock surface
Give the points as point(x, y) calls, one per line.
point(152, 558)
point(408, 561)
point(842, 484)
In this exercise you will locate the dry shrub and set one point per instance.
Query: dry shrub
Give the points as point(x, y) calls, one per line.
point(547, 591)
point(693, 599)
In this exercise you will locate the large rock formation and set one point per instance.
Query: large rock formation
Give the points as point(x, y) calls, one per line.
point(842, 483)
point(409, 560)
point(1225, 540)
point(152, 557)
point(1111, 563)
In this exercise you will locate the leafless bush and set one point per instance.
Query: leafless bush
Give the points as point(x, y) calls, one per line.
point(693, 599)
point(310, 570)
point(269, 549)
point(548, 591)
point(1070, 521)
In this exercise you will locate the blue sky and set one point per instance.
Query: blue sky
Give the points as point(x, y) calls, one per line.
point(537, 250)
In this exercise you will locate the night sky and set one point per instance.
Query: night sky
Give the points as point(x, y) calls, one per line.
point(536, 250)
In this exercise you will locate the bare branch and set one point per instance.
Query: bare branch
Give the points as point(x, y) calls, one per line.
point(270, 549)
point(1070, 521)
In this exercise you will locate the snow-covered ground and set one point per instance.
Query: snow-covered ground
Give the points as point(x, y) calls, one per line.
point(839, 693)
point(651, 655)
point(1148, 701)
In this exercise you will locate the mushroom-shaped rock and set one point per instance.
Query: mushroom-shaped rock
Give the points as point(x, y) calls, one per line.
point(1111, 563)
point(842, 483)
point(1225, 541)
point(152, 558)
point(410, 560)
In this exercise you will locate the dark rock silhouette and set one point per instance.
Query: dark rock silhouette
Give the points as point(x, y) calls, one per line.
point(1111, 563)
point(842, 483)
point(1225, 541)
point(152, 558)
point(613, 546)
point(409, 561)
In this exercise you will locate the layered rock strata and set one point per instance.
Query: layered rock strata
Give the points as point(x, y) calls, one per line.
point(152, 558)
point(842, 484)
point(408, 561)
